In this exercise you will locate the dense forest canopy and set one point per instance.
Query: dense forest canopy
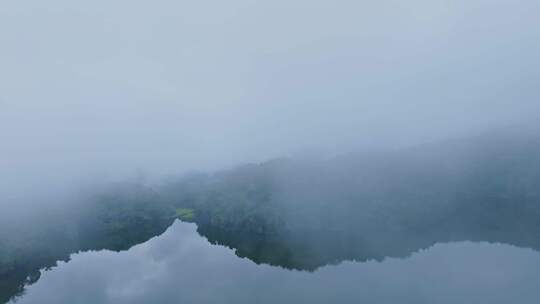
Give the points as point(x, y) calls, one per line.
point(373, 205)
point(303, 214)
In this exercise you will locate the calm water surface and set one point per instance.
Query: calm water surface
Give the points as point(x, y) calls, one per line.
point(182, 267)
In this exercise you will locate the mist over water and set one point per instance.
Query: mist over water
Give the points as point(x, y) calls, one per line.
point(299, 134)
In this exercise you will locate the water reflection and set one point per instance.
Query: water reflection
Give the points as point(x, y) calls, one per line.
point(182, 267)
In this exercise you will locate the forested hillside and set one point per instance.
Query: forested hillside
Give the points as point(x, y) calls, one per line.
point(302, 214)
point(114, 218)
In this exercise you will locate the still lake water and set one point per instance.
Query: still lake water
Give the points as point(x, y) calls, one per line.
point(180, 266)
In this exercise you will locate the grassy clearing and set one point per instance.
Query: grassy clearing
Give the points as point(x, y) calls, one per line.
point(185, 214)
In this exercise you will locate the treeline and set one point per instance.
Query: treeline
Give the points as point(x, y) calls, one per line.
point(115, 218)
point(305, 214)
point(302, 214)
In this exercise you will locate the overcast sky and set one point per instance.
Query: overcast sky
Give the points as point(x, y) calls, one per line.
point(101, 88)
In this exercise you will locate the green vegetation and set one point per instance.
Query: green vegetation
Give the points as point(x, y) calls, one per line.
point(302, 215)
point(116, 218)
point(185, 214)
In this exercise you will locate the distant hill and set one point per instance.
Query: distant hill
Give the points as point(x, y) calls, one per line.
point(303, 214)
point(360, 206)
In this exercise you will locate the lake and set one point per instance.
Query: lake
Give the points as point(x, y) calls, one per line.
point(180, 266)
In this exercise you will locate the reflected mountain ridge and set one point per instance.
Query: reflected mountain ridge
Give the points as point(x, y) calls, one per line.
point(180, 266)
point(303, 215)
point(115, 218)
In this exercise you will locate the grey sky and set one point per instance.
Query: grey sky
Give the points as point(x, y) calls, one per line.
point(104, 87)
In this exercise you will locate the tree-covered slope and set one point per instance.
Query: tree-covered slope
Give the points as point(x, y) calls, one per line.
point(304, 214)
point(114, 218)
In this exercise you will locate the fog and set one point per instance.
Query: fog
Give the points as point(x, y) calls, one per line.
point(107, 90)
